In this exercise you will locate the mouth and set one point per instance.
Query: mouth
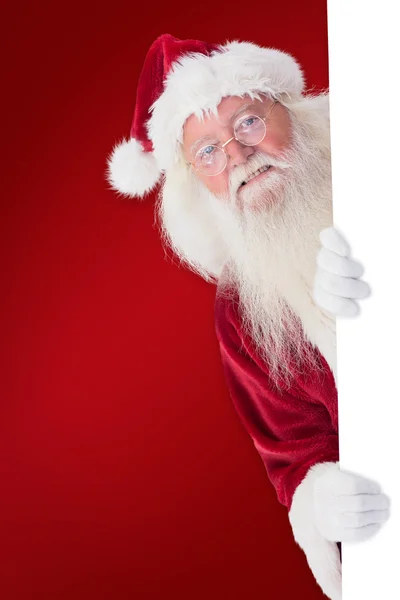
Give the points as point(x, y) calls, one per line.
point(260, 172)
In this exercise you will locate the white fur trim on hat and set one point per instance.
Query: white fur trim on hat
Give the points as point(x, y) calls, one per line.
point(197, 83)
point(322, 555)
point(131, 170)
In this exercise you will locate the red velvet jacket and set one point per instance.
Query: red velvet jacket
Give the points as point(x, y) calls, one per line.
point(293, 427)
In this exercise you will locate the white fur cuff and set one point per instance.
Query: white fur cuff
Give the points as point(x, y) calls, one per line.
point(322, 556)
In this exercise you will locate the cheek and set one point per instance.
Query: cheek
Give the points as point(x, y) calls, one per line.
point(218, 184)
point(278, 139)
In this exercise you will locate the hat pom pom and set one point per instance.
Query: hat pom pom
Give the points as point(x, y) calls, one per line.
point(131, 170)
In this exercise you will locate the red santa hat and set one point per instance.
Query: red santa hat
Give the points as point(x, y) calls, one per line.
point(184, 77)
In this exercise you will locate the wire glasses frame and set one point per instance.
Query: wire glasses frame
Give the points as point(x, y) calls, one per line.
point(220, 154)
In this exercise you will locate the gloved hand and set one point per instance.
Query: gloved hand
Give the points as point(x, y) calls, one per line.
point(348, 507)
point(331, 506)
point(337, 286)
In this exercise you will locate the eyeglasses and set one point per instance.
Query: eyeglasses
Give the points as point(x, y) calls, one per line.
point(248, 130)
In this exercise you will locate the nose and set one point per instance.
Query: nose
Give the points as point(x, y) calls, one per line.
point(238, 153)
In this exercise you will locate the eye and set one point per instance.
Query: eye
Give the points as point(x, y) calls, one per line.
point(207, 150)
point(248, 122)
point(250, 130)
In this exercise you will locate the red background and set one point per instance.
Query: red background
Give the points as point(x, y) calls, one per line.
point(125, 472)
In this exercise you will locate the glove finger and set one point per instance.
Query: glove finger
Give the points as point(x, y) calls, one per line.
point(363, 502)
point(346, 287)
point(340, 307)
point(351, 484)
point(338, 265)
point(360, 534)
point(334, 241)
point(358, 520)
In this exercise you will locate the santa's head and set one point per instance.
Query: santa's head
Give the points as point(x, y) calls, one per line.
point(246, 186)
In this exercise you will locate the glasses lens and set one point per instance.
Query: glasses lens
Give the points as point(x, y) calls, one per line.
point(250, 130)
point(210, 160)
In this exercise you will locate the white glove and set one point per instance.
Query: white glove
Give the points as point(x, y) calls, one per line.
point(322, 555)
point(337, 285)
point(331, 506)
point(348, 507)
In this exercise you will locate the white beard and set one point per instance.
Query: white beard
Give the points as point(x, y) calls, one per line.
point(268, 240)
point(271, 230)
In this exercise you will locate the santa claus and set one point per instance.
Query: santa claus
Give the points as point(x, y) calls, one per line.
point(246, 203)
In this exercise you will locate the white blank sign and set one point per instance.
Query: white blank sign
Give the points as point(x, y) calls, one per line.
point(364, 57)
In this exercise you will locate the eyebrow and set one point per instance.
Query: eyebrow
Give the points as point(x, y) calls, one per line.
point(233, 116)
point(238, 111)
point(199, 142)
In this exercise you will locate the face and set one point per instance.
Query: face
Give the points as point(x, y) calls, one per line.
point(217, 130)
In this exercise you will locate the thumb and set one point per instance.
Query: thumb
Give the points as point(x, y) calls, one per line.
point(323, 558)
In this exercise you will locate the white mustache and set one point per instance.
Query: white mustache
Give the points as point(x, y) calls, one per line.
point(255, 162)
